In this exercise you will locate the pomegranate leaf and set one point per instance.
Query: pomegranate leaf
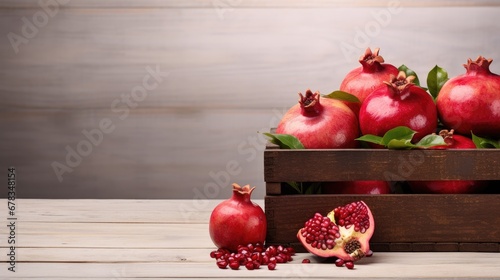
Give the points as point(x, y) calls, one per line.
point(430, 140)
point(285, 141)
point(342, 96)
point(485, 143)
point(371, 138)
point(401, 133)
point(400, 144)
point(409, 72)
point(436, 79)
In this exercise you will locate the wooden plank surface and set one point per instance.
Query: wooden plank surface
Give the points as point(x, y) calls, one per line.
point(231, 65)
point(141, 246)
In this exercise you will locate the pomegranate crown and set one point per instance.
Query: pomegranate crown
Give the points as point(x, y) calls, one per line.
point(242, 190)
point(371, 60)
point(480, 65)
point(447, 136)
point(310, 103)
point(400, 83)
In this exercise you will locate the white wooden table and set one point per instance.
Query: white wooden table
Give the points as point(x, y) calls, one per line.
point(115, 239)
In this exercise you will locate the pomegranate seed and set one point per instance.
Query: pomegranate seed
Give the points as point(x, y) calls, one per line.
point(339, 262)
point(349, 265)
point(271, 266)
point(369, 254)
point(250, 247)
point(222, 264)
point(264, 259)
point(306, 261)
point(273, 260)
point(212, 254)
point(256, 265)
point(249, 265)
point(234, 265)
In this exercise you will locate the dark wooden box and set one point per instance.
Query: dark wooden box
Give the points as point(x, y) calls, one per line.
point(404, 222)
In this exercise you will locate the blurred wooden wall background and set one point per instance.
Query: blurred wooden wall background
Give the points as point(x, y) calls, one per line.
point(227, 70)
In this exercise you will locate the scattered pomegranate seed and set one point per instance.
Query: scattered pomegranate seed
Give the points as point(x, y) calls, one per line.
point(306, 261)
point(249, 265)
point(234, 265)
point(339, 262)
point(349, 265)
point(271, 266)
point(222, 264)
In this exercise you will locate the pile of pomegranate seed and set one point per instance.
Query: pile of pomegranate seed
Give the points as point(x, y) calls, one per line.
point(252, 256)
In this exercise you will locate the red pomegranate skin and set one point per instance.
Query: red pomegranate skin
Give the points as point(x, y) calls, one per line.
point(356, 187)
point(363, 80)
point(320, 123)
point(392, 106)
point(454, 141)
point(471, 102)
point(237, 221)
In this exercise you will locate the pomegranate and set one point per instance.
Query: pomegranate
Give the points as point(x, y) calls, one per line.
point(320, 123)
point(471, 102)
point(453, 141)
point(400, 103)
point(344, 233)
point(363, 80)
point(237, 220)
point(356, 187)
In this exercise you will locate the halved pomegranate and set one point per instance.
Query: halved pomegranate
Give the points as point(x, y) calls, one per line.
point(344, 233)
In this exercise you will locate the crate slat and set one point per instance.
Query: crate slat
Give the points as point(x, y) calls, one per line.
point(380, 164)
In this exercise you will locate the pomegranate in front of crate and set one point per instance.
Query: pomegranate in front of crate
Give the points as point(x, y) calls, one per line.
point(238, 221)
point(320, 123)
point(453, 141)
point(471, 102)
point(344, 233)
point(399, 103)
point(363, 80)
point(356, 187)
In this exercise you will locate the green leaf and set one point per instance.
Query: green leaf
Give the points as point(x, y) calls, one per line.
point(436, 79)
point(485, 143)
point(398, 144)
point(430, 141)
point(285, 141)
point(371, 138)
point(399, 133)
point(409, 72)
point(342, 96)
point(296, 186)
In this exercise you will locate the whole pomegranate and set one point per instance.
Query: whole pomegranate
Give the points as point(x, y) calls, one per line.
point(364, 80)
point(399, 103)
point(471, 102)
point(344, 233)
point(238, 221)
point(320, 123)
point(356, 187)
point(453, 141)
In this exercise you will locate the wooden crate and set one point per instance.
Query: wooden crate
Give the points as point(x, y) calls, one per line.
point(404, 222)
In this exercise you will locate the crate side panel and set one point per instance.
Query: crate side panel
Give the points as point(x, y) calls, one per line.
point(399, 218)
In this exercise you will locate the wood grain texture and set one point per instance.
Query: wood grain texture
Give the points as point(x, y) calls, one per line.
point(231, 68)
point(380, 164)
